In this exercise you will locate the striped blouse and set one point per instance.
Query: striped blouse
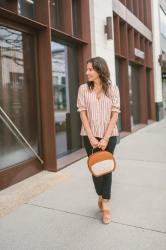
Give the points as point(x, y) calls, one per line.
point(98, 109)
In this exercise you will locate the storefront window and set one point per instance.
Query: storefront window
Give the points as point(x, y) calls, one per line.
point(164, 94)
point(65, 89)
point(162, 22)
point(133, 94)
point(18, 97)
point(119, 123)
point(61, 99)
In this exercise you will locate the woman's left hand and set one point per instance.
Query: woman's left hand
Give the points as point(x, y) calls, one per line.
point(102, 144)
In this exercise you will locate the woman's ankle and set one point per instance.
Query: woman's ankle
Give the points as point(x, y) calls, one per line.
point(105, 200)
point(105, 203)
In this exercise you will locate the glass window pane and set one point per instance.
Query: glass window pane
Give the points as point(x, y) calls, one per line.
point(119, 123)
point(18, 95)
point(57, 14)
point(61, 96)
point(76, 14)
point(133, 94)
point(26, 8)
point(162, 22)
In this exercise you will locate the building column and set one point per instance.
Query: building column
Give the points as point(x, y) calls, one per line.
point(124, 95)
point(156, 53)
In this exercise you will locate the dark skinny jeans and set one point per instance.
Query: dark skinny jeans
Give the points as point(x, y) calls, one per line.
point(102, 183)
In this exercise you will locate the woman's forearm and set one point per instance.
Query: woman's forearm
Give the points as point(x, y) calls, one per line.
point(113, 121)
point(85, 123)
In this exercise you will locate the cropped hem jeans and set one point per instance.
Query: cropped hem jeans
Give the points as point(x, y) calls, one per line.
point(102, 183)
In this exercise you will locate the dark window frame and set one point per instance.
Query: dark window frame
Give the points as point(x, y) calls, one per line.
point(20, 28)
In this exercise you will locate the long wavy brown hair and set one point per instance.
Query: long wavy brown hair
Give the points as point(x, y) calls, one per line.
point(101, 67)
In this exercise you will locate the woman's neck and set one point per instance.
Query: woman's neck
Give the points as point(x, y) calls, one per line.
point(97, 83)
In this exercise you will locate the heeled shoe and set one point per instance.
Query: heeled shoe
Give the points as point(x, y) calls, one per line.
point(106, 218)
point(106, 214)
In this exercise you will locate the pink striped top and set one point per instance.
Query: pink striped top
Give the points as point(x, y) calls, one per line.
point(98, 109)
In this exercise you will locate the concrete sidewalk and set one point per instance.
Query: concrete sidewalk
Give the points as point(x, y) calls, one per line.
point(64, 215)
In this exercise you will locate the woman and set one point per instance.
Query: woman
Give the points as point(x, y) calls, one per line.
point(99, 104)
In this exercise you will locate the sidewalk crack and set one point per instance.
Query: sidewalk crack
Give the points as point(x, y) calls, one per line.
point(91, 217)
point(60, 210)
point(140, 160)
point(139, 227)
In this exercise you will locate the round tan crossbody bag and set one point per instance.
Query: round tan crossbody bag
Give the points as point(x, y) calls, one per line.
point(101, 163)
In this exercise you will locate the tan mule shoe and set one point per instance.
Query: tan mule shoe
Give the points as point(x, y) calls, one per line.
point(106, 216)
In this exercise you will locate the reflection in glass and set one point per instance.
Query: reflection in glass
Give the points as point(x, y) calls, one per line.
point(76, 10)
point(57, 14)
point(117, 62)
point(130, 94)
point(162, 22)
point(18, 95)
point(26, 8)
point(133, 94)
point(164, 92)
point(61, 99)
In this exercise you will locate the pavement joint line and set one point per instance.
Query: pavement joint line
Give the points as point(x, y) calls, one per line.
point(139, 227)
point(122, 159)
point(139, 185)
point(91, 217)
point(60, 210)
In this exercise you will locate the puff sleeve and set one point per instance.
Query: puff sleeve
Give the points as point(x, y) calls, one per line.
point(115, 96)
point(81, 102)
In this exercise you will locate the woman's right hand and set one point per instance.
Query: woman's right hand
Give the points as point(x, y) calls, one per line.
point(94, 142)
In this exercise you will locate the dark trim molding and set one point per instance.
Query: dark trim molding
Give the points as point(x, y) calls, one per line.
point(10, 15)
point(14, 174)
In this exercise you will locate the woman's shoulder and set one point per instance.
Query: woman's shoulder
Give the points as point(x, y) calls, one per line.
point(83, 86)
point(113, 85)
point(113, 88)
